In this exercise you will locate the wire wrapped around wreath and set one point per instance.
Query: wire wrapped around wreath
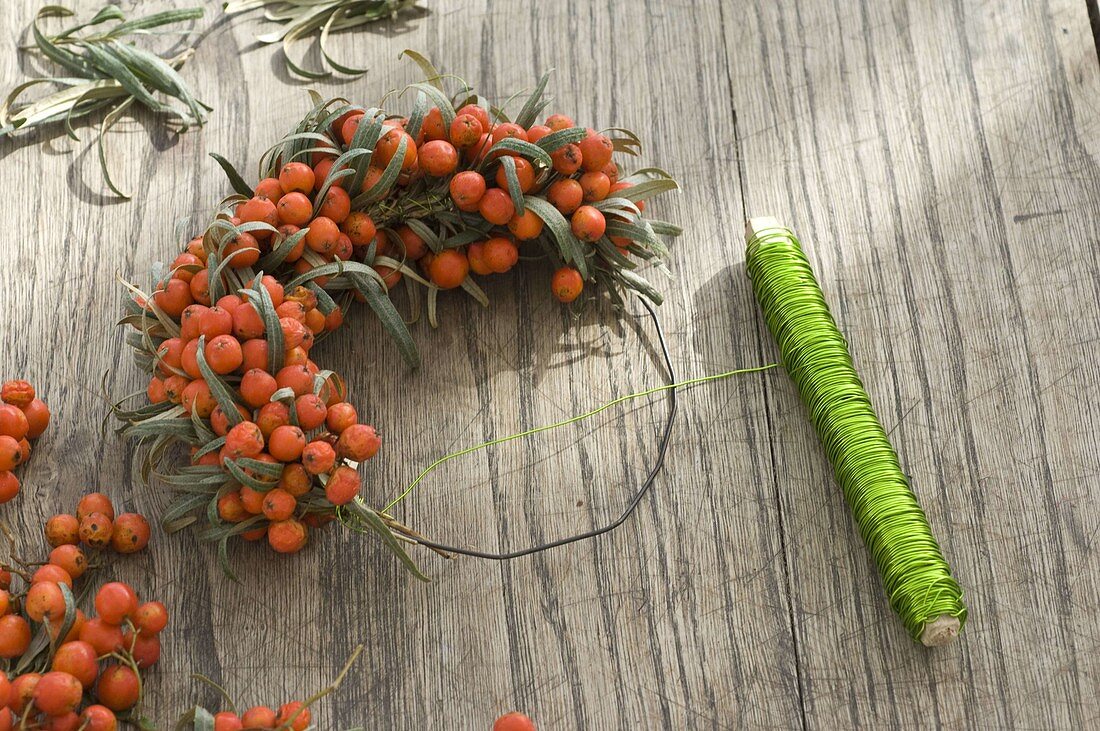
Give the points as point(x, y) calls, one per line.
point(350, 203)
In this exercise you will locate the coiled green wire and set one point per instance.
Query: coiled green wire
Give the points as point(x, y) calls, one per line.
point(916, 577)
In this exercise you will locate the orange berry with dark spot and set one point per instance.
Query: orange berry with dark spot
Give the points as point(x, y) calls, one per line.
point(269, 188)
point(278, 504)
point(566, 195)
point(566, 159)
point(271, 416)
point(595, 185)
point(173, 297)
point(130, 533)
point(230, 507)
point(438, 158)
point(467, 189)
point(151, 618)
point(50, 572)
point(340, 416)
point(295, 479)
point(95, 530)
point(342, 485)
point(261, 210)
point(311, 410)
point(242, 251)
point(525, 226)
point(323, 235)
point(336, 205)
point(286, 443)
point(596, 150)
point(359, 442)
point(557, 122)
point(57, 693)
point(95, 502)
point(244, 440)
point(295, 209)
point(567, 284)
point(360, 228)
point(466, 130)
point(69, 558)
point(318, 457)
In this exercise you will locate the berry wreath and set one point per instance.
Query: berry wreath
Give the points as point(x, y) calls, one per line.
point(350, 203)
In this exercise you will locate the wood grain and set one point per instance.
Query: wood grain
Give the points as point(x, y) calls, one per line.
point(939, 161)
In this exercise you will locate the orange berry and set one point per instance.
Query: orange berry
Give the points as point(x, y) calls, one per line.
point(227, 721)
point(15, 636)
point(438, 158)
point(17, 393)
point(557, 122)
point(77, 658)
point(526, 226)
point(287, 536)
point(340, 416)
point(496, 206)
point(358, 442)
point(173, 297)
point(252, 500)
point(414, 246)
point(565, 195)
point(145, 649)
point(567, 159)
point(467, 189)
point(130, 533)
point(258, 717)
point(466, 130)
point(44, 601)
point(342, 485)
point(478, 113)
point(286, 443)
point(500, 254)
point(537, 132)
point(596, 150)
point(50, 572)
point(230, 508)
point(387, 146)
point(294, 716)
point(9, 486)
point(389, 275)
point(525, 172)
point(223, 353)
point(95, 530)
point(448, 269)
point(69, 558)
point(242, 251)
point(115, 601)
point(295, 479)
point(596, 186)
point(118, 687)
point(101, 635)
point(298, 378)
point(336, 206)
point(349, 126)
point(62, 529)
point(295, 209)
point(99, 718)
point(588, 224)
point(198, 399)
point(278, 504)
point(297, 176)
point(261, 210)
point(57, 693)
point(257, 387)
point(475, 255)
point(271, 416)
point(151, 618)
point(244, 440)
point(255, 353)
point(509, 129)
point(318, 457)
point(269, 188)
point(514, 721)
point(567, 284)
point(360, 228)
point(311, 410)
point(247, 323)
point(95, 502)
point(323, 235)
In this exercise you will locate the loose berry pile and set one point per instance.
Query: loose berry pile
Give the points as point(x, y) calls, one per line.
point(61, 669)
point(350, 203)
point(23, 418)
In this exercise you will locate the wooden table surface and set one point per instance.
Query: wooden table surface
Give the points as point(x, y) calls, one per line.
point(941, 162)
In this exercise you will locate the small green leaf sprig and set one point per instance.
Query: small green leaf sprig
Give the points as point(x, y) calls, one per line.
point(104, 72)
point(303, 18)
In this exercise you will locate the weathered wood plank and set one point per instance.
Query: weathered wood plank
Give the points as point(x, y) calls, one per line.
point(939, 162)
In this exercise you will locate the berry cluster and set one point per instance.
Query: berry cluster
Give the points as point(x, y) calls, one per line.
point(350, 203)
point(23, 417)
point(287, 433)
point(293, 716)
point(76, 660)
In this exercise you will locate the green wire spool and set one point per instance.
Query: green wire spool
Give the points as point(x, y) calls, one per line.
point(916, 577)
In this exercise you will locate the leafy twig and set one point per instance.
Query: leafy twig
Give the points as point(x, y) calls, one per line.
point(103, 71)
point(302, 18)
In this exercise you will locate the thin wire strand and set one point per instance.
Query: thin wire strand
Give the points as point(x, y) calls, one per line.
point(917, 579)
point(662, 448)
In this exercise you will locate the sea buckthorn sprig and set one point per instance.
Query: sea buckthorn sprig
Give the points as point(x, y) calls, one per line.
point(350, 203)
point(23, 418)
point(291, 716)
point(60, 668)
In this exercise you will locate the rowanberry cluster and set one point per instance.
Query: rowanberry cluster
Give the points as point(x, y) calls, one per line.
point(23, 418)
point(350, 203)
point(293, 716)
point(76, 672)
